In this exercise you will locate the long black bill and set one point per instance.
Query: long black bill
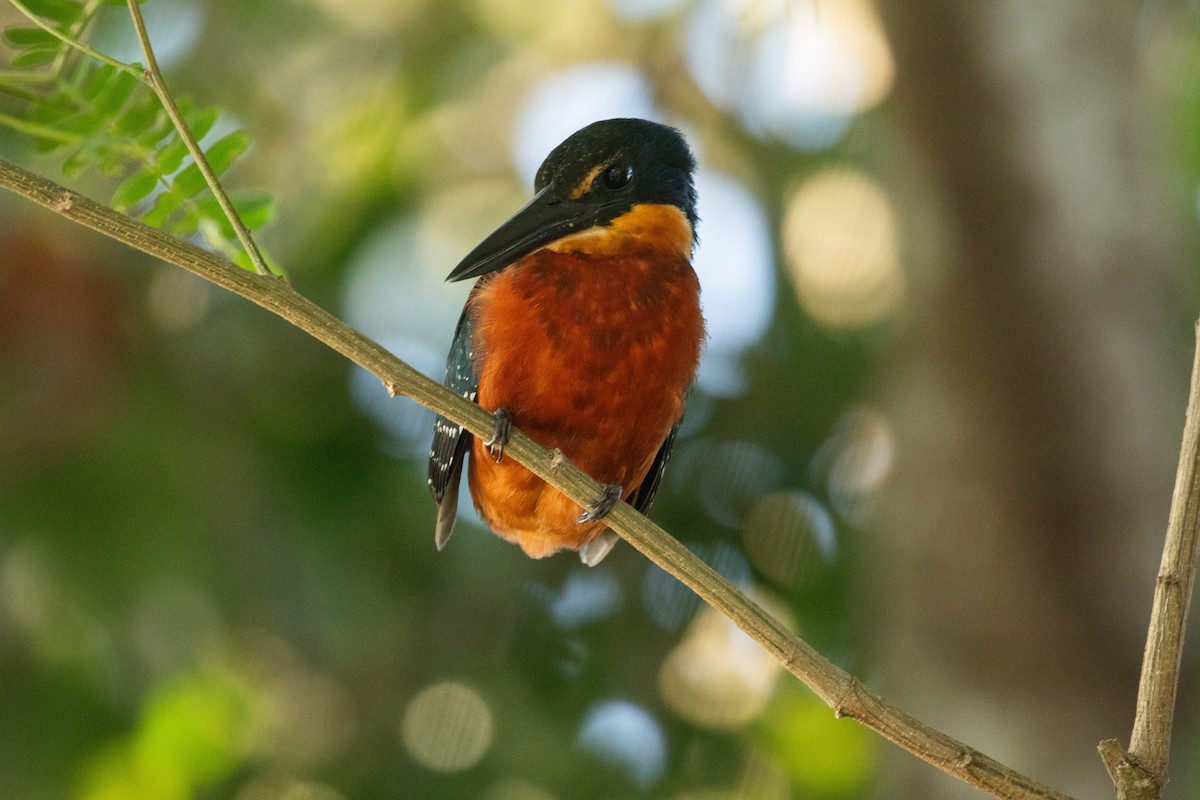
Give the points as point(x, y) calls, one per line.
point(545, 218)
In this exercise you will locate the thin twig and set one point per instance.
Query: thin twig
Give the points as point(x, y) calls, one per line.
point(842, 692)
point(1141, 773)
point(153, 76)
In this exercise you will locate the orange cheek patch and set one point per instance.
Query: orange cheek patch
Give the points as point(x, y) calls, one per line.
point(647, 225)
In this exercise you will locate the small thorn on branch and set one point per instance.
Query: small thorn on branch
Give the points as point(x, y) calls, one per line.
point(65, 202)
point(850, 703)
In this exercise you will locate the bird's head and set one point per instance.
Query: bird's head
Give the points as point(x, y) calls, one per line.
point(594, 185)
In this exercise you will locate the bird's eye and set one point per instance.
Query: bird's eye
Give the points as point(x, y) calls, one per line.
point(617, 176)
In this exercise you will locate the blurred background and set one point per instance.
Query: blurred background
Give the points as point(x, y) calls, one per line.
point(948, 255)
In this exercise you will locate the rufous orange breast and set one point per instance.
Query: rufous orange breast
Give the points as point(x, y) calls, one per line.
point(590, 347)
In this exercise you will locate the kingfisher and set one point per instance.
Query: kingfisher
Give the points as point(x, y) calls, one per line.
point(584, 330)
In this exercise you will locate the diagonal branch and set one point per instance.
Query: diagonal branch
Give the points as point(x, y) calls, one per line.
point(838, 689)
point(1141, 773)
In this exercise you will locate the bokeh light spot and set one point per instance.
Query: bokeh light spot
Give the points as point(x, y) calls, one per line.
point(517, 790)
point(839, 240)
point(177, 300)
point(736, 266)
point(174, 25)
point(785, 533)
point(173, 626)
point(717, 676)
point(671, 604)
point(761, 779)
point(378, 18)
point(303, 716)
point(42, 605)
point(287, 787)
point(644, 10)
point(799, 71)
point(571, 99)
point(626, 737)
point(855, 461)
point(586, 597)
point(730, 477)
point(447, 727)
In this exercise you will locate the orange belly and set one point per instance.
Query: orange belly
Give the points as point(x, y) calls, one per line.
point(591, 354)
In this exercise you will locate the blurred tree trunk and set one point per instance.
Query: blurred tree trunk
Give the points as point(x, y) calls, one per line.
point(1039, 388)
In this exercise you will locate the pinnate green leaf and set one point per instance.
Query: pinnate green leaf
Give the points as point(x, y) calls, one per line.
point(34, 58)
point(30, 37)
point(165, 205)
point(157, 133)
point(254, 207)
point(81, 123)
point(48, 145)
point(185, 226)
point(225, 150)
point(115, 93)
point(81, 158)
point(134, 189)
point(96, 81)
point(112, 162)
point(61, 11)
point(189, 182)
point(139, 116)
point(200, 121)
point(52, 112)
point(170, 156)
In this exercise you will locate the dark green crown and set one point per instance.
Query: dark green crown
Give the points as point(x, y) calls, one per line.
point(654, 159)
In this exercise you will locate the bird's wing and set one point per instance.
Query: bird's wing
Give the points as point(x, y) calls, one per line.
point(451, 441)
point(643, 495)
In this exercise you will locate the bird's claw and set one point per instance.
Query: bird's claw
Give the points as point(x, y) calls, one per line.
point(500, 434)
point(599, 509)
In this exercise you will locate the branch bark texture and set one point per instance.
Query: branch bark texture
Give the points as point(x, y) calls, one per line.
point(1142, 771)
point(838, 689)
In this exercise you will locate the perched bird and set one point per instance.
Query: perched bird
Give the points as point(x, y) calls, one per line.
point(584, 330)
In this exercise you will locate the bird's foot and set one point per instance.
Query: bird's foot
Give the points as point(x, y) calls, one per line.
point(599, 509)
point(500, 434)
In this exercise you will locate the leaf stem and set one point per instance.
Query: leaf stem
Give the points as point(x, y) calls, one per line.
point(153, 76)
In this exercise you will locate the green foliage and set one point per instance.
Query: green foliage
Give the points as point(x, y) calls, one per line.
point(190, 736)
point(101, 118)
point(827, 756)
